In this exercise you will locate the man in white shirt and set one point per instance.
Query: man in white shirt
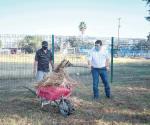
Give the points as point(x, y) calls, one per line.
point(99, 63)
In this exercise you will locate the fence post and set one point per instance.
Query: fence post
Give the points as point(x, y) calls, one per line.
point(112, 53)
point(53, 47)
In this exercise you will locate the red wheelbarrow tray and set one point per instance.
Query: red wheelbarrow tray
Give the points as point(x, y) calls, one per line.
point(53, 93)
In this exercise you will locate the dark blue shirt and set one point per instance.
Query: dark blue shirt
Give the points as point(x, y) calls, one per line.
point(43, 60)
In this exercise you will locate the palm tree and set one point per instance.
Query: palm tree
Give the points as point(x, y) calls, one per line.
point(82, 28)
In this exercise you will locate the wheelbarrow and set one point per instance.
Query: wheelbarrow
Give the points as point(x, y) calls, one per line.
point(58, 95)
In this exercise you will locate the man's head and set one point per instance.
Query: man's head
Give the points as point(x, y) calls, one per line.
point(44, 45)
point(98, 45)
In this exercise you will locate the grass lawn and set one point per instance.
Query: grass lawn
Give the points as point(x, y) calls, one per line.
point(130, 104)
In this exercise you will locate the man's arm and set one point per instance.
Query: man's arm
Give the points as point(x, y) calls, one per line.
point(107, 62)
point(51, 62)
point(89, 59)
point(35, 63)
point(35, 66)
point(89, 62)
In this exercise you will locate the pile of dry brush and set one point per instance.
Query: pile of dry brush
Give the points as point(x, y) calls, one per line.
point(58, 76)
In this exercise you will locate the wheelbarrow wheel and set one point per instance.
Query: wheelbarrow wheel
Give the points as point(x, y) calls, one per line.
point(65, 107)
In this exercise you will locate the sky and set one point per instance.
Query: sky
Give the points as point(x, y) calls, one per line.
point(62, 17)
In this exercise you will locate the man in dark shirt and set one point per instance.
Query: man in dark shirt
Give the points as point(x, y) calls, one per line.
point(43, 58)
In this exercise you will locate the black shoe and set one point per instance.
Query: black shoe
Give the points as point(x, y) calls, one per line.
point(108, 97)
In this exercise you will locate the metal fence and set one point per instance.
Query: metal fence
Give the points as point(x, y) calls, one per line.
point(17, 52)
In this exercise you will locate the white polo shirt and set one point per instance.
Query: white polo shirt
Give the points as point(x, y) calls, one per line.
point(98, 58)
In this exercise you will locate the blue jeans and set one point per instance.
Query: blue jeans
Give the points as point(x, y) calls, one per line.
point(102, 72)
point(40, 75)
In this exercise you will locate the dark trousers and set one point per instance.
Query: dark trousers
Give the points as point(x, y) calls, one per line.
point(102, 72)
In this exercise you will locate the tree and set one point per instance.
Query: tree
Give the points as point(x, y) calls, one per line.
point(76, 42)
point(148, 19)
point(0, 44)
point(82, 28)
point(73, 41)
point(30, 43)
point(142, 45)
point(148, 3)
point(148, 38)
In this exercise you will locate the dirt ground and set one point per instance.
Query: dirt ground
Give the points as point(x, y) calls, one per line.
point(129, 105)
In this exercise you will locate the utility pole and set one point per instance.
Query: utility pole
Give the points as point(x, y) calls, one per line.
point(118, 31)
